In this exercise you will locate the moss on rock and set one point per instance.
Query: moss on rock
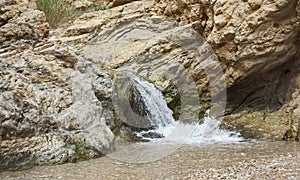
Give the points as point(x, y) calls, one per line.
point(263, 125)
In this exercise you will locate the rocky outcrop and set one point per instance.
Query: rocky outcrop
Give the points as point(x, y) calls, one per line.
point(278, 125)
point(256, 43)
point(132, 37)
point(50, 101)
point(88, 25)
point(96, 5)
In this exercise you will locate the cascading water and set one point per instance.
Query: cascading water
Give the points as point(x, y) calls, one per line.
point(155, 104)
point(160, 117)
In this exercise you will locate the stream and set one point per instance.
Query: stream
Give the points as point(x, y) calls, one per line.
point(183, 151)
point(271, 160)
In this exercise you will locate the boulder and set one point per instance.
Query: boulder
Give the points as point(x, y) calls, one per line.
point(49, 111)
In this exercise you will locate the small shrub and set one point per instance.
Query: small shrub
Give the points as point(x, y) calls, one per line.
point(57, 12)
point(97, 7)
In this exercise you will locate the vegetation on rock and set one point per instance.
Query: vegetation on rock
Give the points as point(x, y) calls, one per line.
point(57, 12)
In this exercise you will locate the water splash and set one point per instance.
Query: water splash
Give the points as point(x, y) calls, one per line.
point(206, 133)
point(210, 132)
point(160, 117)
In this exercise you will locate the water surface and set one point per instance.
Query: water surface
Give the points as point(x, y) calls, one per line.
point(261, 159)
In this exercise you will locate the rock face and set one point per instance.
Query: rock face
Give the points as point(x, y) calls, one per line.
point(256, 42)
point(49, 111)
point(88, 25)
point(151, 46)
point(96, 5)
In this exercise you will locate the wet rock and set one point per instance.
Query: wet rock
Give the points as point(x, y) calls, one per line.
point(276, 126)
point(152, 135)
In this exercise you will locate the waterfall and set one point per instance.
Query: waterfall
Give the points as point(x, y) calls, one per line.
point(141, 104)
point(155, 104)
point(149, 102)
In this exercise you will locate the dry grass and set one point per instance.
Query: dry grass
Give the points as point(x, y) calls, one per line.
point(57, 12)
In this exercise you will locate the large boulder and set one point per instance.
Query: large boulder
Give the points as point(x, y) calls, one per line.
point(51, 97)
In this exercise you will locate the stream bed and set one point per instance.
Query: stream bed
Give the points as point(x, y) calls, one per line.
point(245, 160)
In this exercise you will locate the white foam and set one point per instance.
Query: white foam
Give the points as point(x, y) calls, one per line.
point(175, 131)
point(206, 133)
point(209, 132)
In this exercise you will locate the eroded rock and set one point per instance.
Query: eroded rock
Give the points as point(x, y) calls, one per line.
point(279, 125)
point(49, 112)
point(257, 47)
point(256, 43)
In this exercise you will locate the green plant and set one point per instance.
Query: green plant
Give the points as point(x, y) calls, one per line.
point(98, 7)
point(103, 7)
point(57, 12)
